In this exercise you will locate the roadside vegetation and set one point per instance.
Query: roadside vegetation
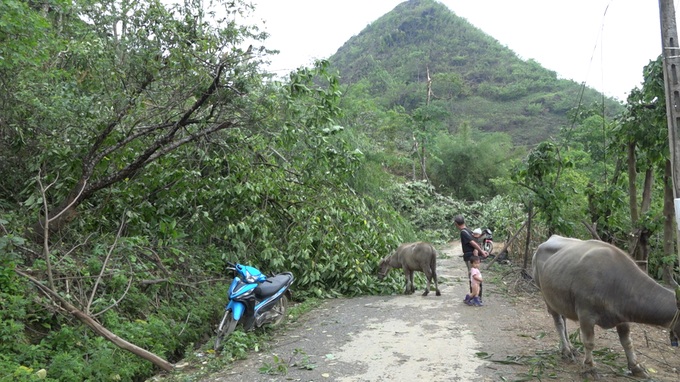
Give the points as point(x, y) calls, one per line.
point(142, 147)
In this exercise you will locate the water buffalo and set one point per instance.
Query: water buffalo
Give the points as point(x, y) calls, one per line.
point(410, 257)
point(595, 283)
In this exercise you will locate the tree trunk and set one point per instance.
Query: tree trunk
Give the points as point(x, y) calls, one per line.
point(527, 244)
point(632, 196)
point(647, 191)
point(642, 253)
point(643, 249)
point(605, 230)
point(423, 162)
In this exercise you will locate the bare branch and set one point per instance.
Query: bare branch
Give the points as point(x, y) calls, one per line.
point(46, 229)
point(97, 327)
point(106, 261)
point(122, 296)
point(157, 260)
point(185, 324)
point(74, 248)
point(73, 202)
point(279, 155)
point(155, 281)
point(592, 229)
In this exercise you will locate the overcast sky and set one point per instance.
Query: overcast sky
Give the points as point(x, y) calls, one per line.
point(604, 43)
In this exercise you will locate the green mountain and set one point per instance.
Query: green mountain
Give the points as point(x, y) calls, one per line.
point(475, 79)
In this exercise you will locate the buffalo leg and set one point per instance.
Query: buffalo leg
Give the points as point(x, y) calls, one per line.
point(624, 336)
point(427, 288)
point(408, 275)
point(588, 338)
point(436, 284)
point(561, 326)
point(428, 277)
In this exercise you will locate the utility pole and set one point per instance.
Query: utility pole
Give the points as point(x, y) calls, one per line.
point(671, 76)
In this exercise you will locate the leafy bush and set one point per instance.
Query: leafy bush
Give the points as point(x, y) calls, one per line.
point(432, 213)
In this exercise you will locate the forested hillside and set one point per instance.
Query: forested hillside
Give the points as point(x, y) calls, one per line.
point(473, 78)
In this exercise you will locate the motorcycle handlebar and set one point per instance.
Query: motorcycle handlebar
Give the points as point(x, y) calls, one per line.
point(232, 267)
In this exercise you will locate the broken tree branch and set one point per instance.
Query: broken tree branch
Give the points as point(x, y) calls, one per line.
point(97, 327)
point(106, 261)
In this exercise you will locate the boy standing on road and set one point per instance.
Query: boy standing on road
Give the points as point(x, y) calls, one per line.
point(475, 282)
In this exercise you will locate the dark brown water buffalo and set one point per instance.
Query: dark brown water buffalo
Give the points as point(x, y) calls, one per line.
point(410, 257)
point(595, 283)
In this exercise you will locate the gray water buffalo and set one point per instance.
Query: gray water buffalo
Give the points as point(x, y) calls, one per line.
point(410, 257)
point(595, 283)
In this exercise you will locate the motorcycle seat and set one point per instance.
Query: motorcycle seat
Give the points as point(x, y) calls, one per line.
point(273, 284)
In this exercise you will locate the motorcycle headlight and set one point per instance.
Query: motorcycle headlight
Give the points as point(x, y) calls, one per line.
point(250, 278)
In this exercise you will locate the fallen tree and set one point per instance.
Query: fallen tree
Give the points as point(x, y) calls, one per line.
point(95, 326)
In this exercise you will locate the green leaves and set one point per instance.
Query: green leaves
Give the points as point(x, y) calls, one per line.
point(21, 28)
point(541, 173)
point(464, 164)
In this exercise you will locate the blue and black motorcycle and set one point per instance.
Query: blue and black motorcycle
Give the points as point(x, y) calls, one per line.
point(254, 300)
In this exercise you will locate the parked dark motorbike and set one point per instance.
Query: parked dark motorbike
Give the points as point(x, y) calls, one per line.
point(487, 240)
point(254, 300)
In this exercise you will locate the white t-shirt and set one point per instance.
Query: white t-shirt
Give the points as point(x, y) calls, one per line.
point(473, 272)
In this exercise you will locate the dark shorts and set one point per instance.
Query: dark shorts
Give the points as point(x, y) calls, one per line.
point(467, 256)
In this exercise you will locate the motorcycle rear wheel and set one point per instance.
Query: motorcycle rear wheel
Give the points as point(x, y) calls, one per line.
point(488, 247)
point(226, 327)
point(279, 311)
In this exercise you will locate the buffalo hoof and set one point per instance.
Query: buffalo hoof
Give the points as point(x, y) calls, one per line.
point(590, 372)
point(426, 293)
point(570, 353)
point(639, 371)
point(439, 293)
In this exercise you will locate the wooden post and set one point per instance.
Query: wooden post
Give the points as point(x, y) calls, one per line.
point(527, 244)
point(671, 73)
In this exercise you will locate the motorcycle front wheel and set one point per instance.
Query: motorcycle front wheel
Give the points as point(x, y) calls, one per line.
point(226, 327)
point(488, 246)
point(279, 311)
